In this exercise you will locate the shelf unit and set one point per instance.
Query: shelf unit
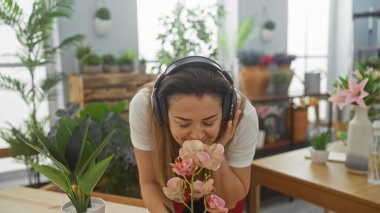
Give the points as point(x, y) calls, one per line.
point(288, 143)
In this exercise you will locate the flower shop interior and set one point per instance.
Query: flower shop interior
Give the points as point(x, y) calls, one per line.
point(310, 68)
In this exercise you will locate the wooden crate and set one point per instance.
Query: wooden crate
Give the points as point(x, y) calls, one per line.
point(106, 87)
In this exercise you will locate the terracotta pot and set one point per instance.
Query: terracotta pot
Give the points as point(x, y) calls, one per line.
point(300, 123)
point(254, 81)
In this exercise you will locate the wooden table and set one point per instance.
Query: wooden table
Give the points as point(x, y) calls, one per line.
point(22, 199)
point(330, 186)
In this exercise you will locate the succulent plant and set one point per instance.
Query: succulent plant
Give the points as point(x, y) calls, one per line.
point(103, 13)
point(109, 59)
point(269, 24)
point(91, 59)
point(249, 57)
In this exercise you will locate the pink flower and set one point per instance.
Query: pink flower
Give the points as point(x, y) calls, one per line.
point(357, 92)
point(216, 156)
point(174, 189)
point(194, 149)
point(215, 204)
point(340, 98)
point(183, 167)
point(201, 189)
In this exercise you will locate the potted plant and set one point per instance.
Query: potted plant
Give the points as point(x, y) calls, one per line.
point(77, 168)
point(253, 78)
point(318, 151)
point(267, 31)
point(109, 63)
point(81, 50)
point(32, 31)
point(280, 81)
point(102, 21)
point(91, 63)
point(142, 65)
point(127, 61)
point(283, 61)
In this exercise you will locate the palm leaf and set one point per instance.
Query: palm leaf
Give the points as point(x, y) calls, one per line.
point(10, 13)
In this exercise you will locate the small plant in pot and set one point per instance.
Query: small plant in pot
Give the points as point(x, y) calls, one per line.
point(109, 63)
point(267, 31)
point(318, 151)
point(81, 51)
point(142, 65)
point(102, 21)
point(77, 168)
point(127, 61)
point(91, 63)
point(280, 81)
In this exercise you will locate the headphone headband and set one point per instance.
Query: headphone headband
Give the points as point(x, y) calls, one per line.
point(160, 106)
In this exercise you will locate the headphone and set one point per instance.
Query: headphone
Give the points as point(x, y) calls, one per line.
point(159, 107)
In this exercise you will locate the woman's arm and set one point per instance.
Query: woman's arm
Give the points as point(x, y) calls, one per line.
point(151, 191)
point(232, 184)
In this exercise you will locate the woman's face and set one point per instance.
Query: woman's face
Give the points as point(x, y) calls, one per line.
point(195, 118)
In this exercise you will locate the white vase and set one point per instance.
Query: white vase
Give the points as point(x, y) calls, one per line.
point(97, 206)
point(266, 35)
point(319, 156)
point(358, 139)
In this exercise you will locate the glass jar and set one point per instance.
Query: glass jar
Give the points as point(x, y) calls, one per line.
point(374, 155)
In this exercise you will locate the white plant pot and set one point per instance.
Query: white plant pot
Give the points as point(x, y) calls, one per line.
point(260, 142)
point(319, 156)
point(97, 206)
point(266, 35)
point(102, 27)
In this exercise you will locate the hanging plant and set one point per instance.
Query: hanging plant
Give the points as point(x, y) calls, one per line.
point(267, 31)
point(102, 21)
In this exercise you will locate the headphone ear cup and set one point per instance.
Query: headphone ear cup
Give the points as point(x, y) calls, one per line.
point(156, 109)
point(231, 105)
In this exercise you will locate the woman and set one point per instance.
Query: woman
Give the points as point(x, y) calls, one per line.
point(193, 99)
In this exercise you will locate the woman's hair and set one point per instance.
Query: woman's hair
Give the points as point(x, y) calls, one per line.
point(188, 81)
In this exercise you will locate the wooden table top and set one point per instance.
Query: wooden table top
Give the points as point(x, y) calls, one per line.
point(332, 177)
point(18, 199)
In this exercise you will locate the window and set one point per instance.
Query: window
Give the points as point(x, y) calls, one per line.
point(308, 25)
point(13, 109)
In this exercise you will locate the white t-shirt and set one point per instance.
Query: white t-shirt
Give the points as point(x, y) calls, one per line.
point(239, 153)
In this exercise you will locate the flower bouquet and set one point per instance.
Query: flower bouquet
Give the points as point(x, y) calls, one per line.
point(361, 88)
point(194, 157)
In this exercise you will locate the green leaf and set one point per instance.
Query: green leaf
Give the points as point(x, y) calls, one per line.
point(89, 148)
point(75, 145)
point(90, 178)
point(95, 110)
point(245, 32)
point(119, 107)
point(94, 154)
point(65, 129)
point(56, 176)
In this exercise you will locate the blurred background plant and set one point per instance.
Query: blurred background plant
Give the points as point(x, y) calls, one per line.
point(33, 33)
point(192, 37)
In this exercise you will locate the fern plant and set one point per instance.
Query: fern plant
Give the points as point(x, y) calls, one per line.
point(33, 33)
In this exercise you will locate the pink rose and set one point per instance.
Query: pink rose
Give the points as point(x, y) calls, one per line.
point(183, 167)
point(174, 189)
point(194, 150)
point(215, 204)
point(216, 156)
point(201, 189)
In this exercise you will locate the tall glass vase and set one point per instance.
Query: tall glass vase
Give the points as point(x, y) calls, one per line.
point(359, 136)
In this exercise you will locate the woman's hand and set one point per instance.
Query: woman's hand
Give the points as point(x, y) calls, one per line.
point(231, 126)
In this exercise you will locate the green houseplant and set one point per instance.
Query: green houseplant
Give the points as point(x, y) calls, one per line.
point(142, 65)
point(127, 61)
point(121, 176)
point(187, 31)
point(91, 63)
point(102, 21)
point(80, 51)
point(74, 153)
point(109, 63)
point(33, 33)
point(319, 152)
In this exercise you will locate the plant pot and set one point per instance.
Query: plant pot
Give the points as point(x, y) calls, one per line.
point(102, 27)
point(110, 68)
point(266, 35)
point(92, 68)
point(98, 206)
point(126, 68)
point(319, 156)
point(142, 68)
point(254, 81)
